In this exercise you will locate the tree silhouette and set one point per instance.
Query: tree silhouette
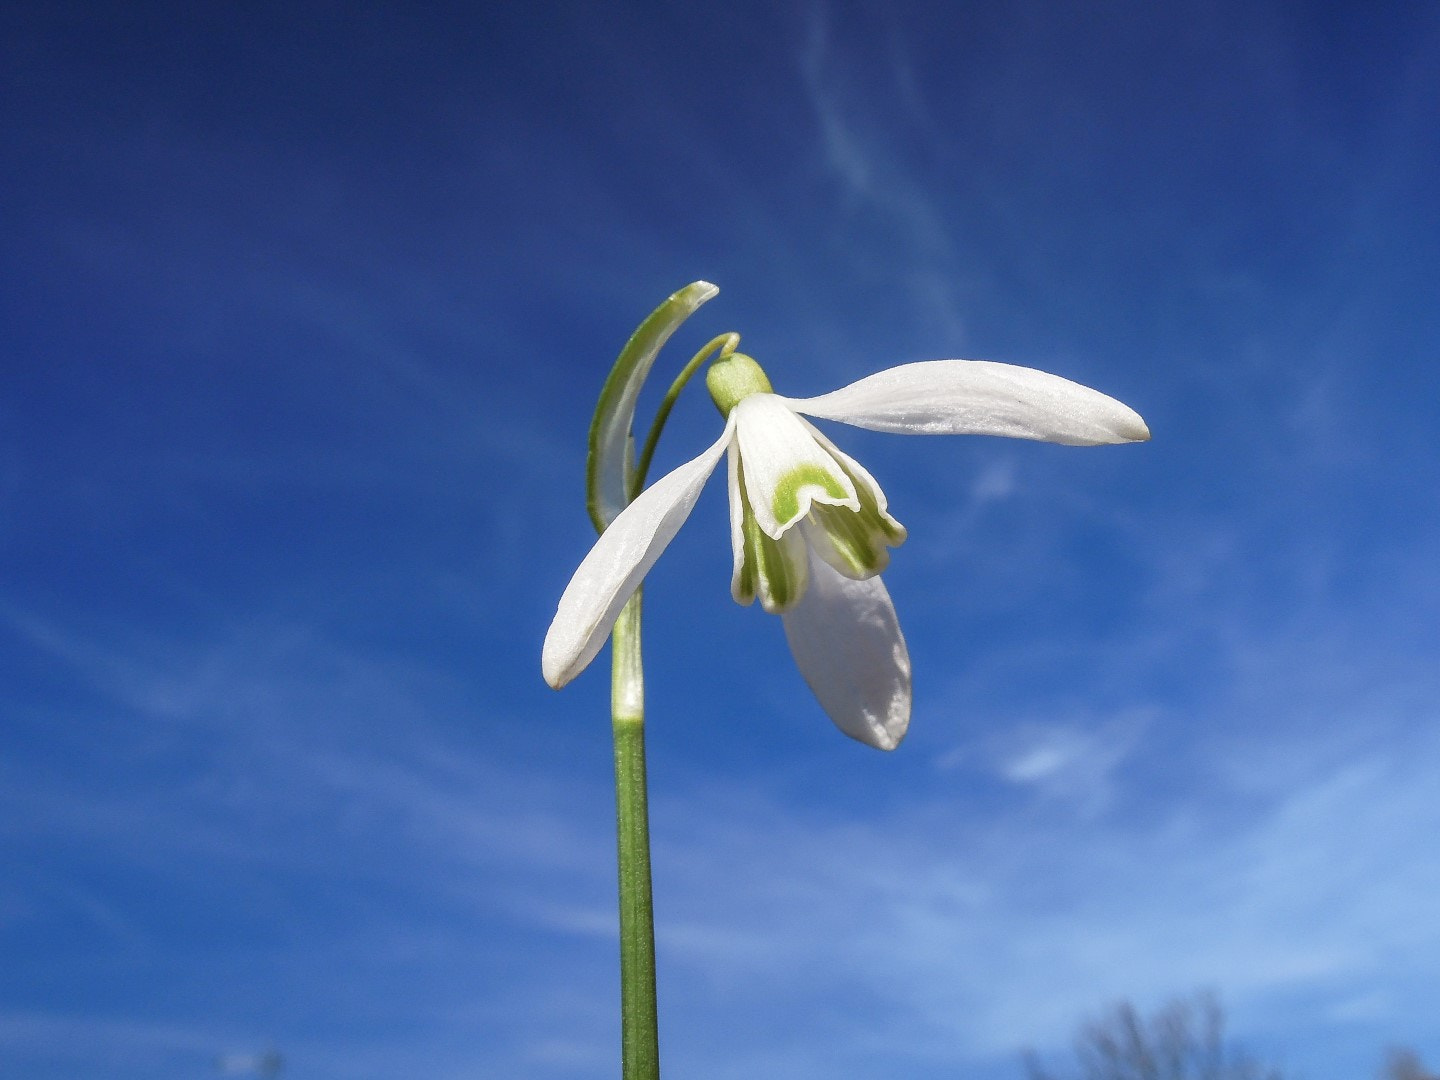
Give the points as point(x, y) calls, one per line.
point(1402, 1063)
point(1184, 1040)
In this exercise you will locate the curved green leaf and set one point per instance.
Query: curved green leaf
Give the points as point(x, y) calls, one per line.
point(612, 446)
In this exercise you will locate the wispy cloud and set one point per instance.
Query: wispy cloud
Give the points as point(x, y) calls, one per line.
point(969, 941)
point(880, 185)
point(1073, 764)
point(872, 168)
point(959, 929)
point(295, 778)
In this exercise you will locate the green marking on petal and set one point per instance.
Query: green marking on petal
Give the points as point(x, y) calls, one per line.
point(875, 518)
point(780, 583)
point(773, 570)
point(786, 502)
point(855, 543)
point(745, 581)
point(855, 540)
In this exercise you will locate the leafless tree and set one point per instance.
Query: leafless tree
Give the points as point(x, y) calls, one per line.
point(1184, 1040)
point(1402, 1063)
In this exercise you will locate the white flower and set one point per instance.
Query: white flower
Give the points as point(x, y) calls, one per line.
point(811, 529)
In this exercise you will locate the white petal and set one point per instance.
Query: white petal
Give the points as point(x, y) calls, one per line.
point(773, 570)
point(611, 445)
point(845, 544)
point(737, 527)
point(618, 562)
point(978, 397)
point(785, 468)
point(847, 643)
point(861, 477)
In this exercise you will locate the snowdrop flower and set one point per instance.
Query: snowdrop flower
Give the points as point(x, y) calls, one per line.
point(810, 528)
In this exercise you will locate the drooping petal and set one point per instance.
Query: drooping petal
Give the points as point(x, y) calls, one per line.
point(846, 641)
point(620, 559)
point(979, 397)
point(785, 469)
point(608, 464)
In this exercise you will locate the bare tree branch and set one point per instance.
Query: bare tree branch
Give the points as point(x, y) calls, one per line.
point(1184, 1040)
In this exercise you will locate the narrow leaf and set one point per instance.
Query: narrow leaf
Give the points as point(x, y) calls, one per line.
point(612, 446)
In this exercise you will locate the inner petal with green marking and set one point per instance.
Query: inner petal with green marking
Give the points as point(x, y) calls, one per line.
point(822, 484)
point(775, 571)
point(856, 543)
point(849, 542)
point(786, 469)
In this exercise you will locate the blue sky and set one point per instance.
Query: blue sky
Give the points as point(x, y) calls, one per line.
point(305, 310)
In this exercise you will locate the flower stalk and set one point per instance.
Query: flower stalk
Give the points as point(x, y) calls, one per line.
point(613, 479)
point(639, 1021)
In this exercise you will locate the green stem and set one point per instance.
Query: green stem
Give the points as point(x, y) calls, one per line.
point(639, 1024)
point(639, 1039)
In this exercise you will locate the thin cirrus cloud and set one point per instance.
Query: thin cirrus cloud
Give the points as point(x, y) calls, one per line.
point(935, 914)
point(955, 938)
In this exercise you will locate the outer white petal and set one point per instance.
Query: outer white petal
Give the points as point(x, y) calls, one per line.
point(846, 640)
point(618, 562)
point(978, 397)
point(785, 468)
